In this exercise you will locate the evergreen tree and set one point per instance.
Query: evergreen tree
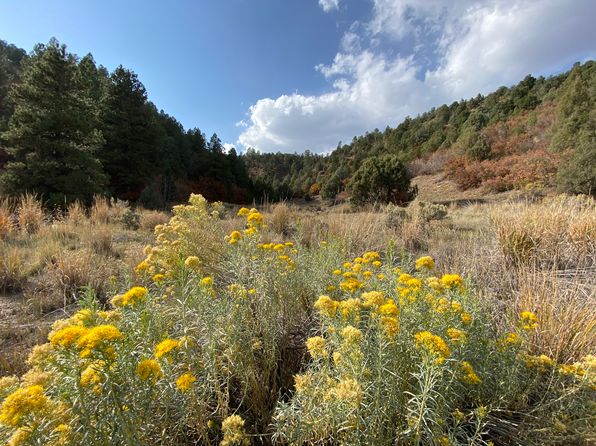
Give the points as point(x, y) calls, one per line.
point(383, 179)
point(131, 152)
point(51, 136)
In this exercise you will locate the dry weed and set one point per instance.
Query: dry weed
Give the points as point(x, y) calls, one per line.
point(150, 219)
point(281, 217)
point(30, 215)
point(6, 218)
point(100, 210)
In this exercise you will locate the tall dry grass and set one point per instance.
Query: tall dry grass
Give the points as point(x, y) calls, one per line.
point(100, 210)
point(30, 214)
point(559, 232)
point(6, 218)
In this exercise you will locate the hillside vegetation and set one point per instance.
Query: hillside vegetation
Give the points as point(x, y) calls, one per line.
point(537, 134)
point(293, 327)
point(69, 129)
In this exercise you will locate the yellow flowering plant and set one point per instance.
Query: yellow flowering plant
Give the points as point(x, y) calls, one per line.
point(268, 340)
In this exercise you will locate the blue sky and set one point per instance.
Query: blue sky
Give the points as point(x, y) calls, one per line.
point(291, 75)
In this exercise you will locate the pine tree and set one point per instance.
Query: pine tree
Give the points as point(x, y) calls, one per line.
point(51, 137)
point(129, 124)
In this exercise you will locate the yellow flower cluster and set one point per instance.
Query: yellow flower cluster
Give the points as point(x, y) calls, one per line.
point(165, 347)
point(131, 297)
point(98, 339)
point(373, 299)
point(457, 336)
point(92, 377)
point(185, 381)
point(67, 336)
point(349, 308)
point(158, 279)
point(21, 403)
point(351, 334)
point(425, 262)
point(326, 306)
point(347, 390)
point(149, 370)
point(542, 363)
point(316, 347)
point(233, 432)
point(528, 320)
point(469, 375)
point(192, 262)
point(452, 281)
point(234, 237)
point(433, 344)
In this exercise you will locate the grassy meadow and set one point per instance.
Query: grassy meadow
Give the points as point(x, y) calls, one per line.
point(464, 323)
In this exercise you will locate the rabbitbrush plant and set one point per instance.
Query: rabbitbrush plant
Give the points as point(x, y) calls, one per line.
point(236, 339)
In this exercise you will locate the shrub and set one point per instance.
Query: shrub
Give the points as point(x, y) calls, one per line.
point(130, 220)
point(425, 366)
point(208, 346)
point(383, 179)
point(314, 189)
point(431, 211)
point(150, 219)
point(395, 216)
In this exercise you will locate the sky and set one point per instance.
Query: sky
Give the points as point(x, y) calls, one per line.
point(292, 75)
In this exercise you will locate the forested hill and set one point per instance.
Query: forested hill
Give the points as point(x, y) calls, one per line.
point(540, 133)
point(70, 129)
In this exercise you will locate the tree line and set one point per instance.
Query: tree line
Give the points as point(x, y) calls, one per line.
point(69, 129)
point(458, 129)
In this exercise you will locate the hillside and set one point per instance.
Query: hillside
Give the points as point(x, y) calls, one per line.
point(537, 134)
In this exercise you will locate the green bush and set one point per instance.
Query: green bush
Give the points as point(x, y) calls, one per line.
point(383, 179)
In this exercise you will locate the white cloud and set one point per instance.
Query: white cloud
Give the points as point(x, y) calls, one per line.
point(329, 5)
point(477, 46)
point(228, 146)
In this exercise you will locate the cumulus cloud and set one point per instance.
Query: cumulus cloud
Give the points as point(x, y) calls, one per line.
point(329, 5)
point(228, 146)
point(476, 45)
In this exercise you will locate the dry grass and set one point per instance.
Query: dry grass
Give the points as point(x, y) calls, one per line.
point(6, 218)
point(76, 213)
point(12, 268)
point(150, 219)
point(30, 215)
point(566, 306)
point(100, 210)
point(281, 218)
point(47, 262)
point(556, 233)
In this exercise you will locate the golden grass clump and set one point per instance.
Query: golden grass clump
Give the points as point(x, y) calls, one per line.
point(6, 218)
point(558, 232)
point(151, 219)
point(13, 269)
point(76, 213)
point(100, 210)
point(281, 218)
point(30, 215)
